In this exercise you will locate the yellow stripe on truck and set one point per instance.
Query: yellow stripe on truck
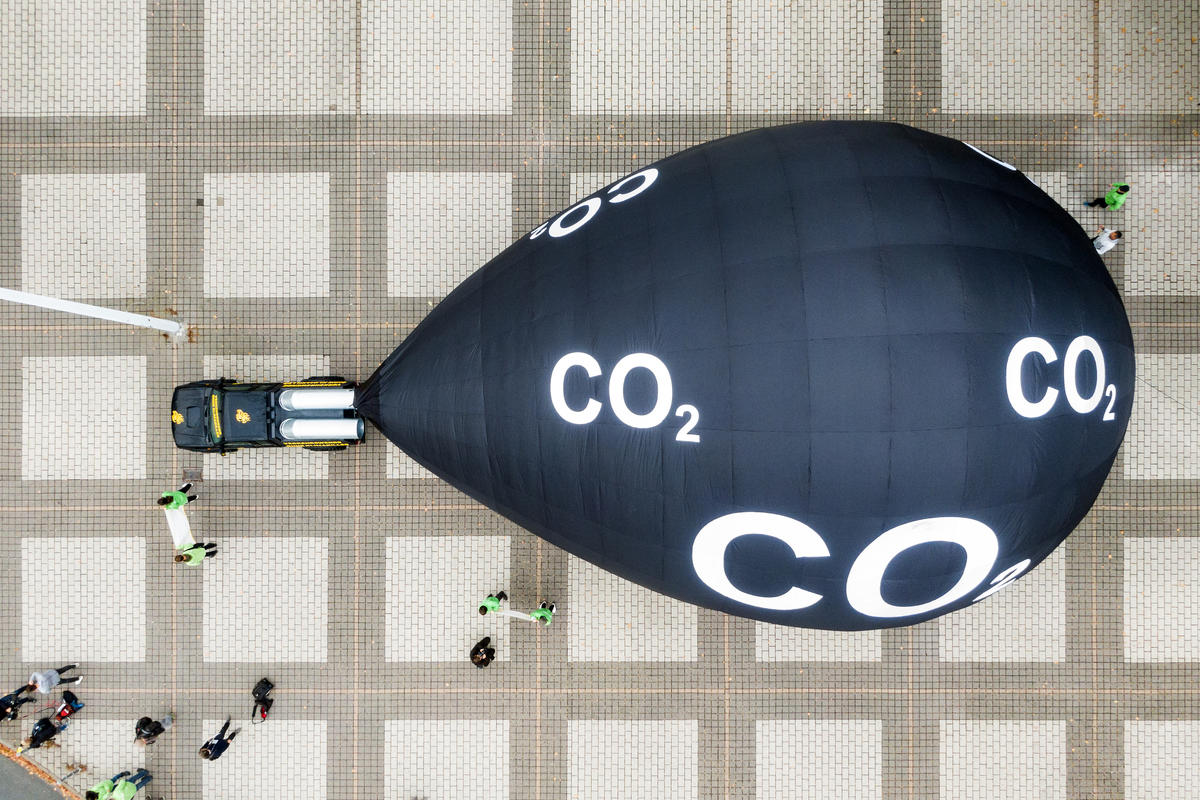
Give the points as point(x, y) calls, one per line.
point(313, 444)
point(316, 383)
point(216, 417)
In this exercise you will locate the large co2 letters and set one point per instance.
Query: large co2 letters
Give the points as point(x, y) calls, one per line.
point(1032, 409)
point(616, 394)
point(582, 212)
point(865, 579)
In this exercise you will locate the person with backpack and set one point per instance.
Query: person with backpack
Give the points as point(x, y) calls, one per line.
point(42, 735)
point(262, 700)
point(12, 701)
point(67, 706)
point(147, 730)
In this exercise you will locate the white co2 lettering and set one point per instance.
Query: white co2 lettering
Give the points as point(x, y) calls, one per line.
point(616, 393)
point(1031, 409)
point(864, 582)
point(582, 212)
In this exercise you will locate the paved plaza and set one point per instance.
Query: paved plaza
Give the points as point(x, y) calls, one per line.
point(303, 180)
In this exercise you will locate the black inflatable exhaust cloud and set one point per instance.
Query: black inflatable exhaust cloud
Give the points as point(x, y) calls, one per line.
point(836, 375)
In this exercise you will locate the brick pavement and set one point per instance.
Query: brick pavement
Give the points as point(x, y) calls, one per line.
point(364, 157)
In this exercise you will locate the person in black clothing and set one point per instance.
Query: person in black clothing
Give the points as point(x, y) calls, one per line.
point(218, 744)
point(44, 731)
point(12, 701)
point(481, 654)
point(147, 730)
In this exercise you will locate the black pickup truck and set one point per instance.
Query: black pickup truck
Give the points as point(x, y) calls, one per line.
point(224, 415)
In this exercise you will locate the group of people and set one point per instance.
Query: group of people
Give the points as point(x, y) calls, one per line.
point(124, 785)
point(46, 728)
point(1116, 196)
point(483, 653)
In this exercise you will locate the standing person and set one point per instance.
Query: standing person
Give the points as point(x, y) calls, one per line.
point(543, 613)
point(492, 602)
point(42, 735)
point(12, 701)
point(1107, 240)
point(481, 654)
point(1114, 199)
point(218, 744)
point(196, 553)
point(126, 788)
point(103, 790)
point(147, 730)
point(47, 679)
point(173, 506)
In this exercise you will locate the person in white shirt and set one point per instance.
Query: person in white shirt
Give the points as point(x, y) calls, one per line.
point(1107, 240)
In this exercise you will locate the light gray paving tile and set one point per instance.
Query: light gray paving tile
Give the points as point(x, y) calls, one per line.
point(83, 417)
point(106, 746)
point(1024, 621)
point(437, 235)
point(73, 57)
point(623, 759)
point(434, 587)
point(1162, 239)
point(1163, 440)
point(266, 234)
point(655, 57)
point(790, 57)
point(83, 599)
point(613, 619)
point(418, 752)
point(1021, 56)
point(1024, 758)
point(268, 464)
point(265, 599)
point(818, 758)
point(84, 235)
point(783, 643)
point(1058, 186)
point(281, 760)
point(437, 57)
point(401, 467)
point(1161, 758)
point(1162, 599)
point(1148, 57)
point(278, 57)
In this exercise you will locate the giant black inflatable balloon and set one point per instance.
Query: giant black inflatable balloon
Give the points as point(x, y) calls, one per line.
point(837, 375)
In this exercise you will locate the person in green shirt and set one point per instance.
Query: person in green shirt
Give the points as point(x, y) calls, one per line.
point(491, 603)
point(196, 554)
point(1115, 198)
point(178, 498)
point(543, 613)
point(126, 788)
point(103, 789)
